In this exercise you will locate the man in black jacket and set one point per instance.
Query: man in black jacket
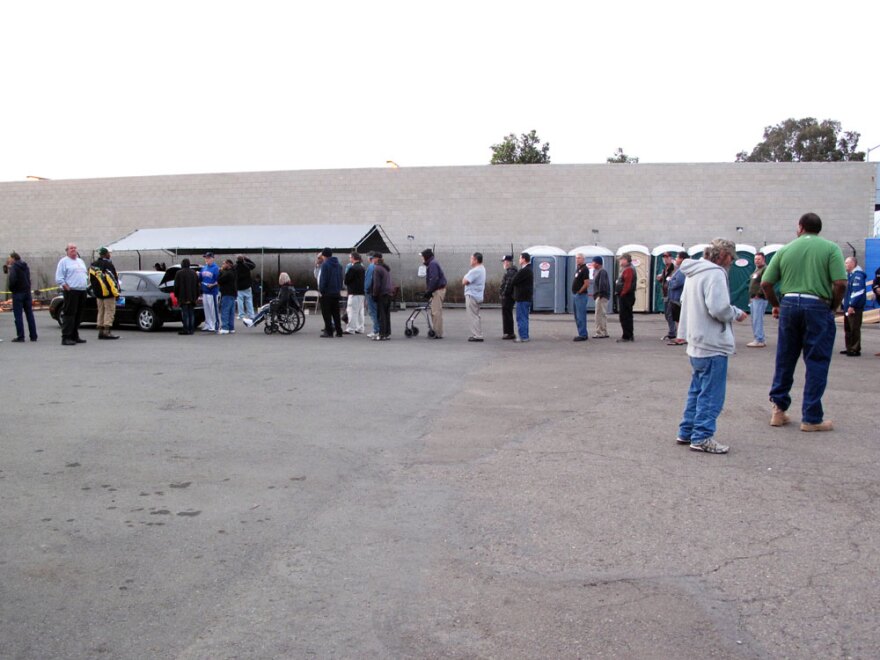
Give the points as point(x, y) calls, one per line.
point(354, 284)
point(244, 297)
point(22, 302)
point(186, 290)
point(506, 294)
point(523, 288)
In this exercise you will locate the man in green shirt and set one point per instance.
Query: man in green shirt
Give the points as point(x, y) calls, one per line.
point(812, 281)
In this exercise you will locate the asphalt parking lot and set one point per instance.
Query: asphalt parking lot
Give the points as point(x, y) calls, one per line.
point(254, 496)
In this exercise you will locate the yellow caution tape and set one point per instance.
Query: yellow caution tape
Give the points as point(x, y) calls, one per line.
point(51, 288)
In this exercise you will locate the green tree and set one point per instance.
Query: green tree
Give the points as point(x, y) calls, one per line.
point(620, 157)
point(523, 150)
point(803, 140)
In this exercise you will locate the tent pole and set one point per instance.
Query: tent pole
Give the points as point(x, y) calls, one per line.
point(262, 276)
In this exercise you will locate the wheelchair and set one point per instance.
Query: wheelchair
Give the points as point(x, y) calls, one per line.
point(287, 320)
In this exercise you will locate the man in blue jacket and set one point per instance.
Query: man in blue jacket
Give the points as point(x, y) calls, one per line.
point(435, 290)
point(22, 302)
point(853, 306)
point(330, 288)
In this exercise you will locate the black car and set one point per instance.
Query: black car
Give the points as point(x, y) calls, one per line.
point(144, 301)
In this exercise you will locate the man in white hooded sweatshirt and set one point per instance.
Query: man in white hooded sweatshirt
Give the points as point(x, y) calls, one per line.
point(707, 324)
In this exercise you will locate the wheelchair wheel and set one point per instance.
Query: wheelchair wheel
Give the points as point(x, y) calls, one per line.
point(287, 324)
point(300, 318)
point(268, 328)
point(415, 331)
point(408, 332)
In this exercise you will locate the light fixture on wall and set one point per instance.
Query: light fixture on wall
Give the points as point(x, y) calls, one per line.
point(392, 164)
point(595, 237)
point(31, 177)
point(739, 230)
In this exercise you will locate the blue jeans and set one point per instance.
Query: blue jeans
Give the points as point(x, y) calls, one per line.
point(757, 308)
point(227, 312)
point(373, 310)
point(580, 313)
point(522, 318)
point(805, 326)
point(705, 398)
point(245, 299)
point(22, 303)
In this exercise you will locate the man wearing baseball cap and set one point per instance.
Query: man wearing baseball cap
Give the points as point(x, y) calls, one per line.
point(506, 295)
point(601, 295)
point(209, 274)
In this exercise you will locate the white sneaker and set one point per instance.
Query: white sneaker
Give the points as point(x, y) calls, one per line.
point(223, 332)
point(248, 322)
point(371, 335)
point(756, 344)
point(349, 332)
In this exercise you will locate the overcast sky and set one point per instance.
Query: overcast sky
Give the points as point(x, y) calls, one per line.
point(126, 88)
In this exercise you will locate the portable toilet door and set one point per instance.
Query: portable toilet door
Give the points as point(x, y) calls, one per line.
point(740, 275)
point(641, 260)
point(550, 270)
point(590, 251)
point(696, 251)
point(768, 252)
point(657, 265)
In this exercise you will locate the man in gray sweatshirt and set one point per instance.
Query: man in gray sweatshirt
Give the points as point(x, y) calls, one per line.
point(707, 324)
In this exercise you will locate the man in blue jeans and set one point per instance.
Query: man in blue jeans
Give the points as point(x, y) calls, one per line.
point(757, 303)
point(372, 309)
point(707, 323)
point(580, 296)
point(22, 302)
point(523, 284)
point(812, 281)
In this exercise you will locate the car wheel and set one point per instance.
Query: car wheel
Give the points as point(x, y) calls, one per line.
point(60, 318)
point(147, 320)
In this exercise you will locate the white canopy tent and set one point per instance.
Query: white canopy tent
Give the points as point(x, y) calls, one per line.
point(275, 239)
point(255, 238)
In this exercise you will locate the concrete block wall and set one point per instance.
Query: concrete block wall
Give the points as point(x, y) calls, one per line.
point(455, 209)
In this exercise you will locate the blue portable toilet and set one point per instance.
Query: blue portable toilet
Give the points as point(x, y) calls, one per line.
point(550, 268)
point(657, 269)
point(590, 251)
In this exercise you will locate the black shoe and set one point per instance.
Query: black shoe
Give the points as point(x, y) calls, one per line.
point(33, 339)
point(182, 332)
point(68, 342)
point(109, 336)
point(579, 339)
point(853, 353)
point(18, 340)
point(475, 339)
point(328, 335)
point(844, 352)
point(79, 341)
point(508, 336)
point(338, 334)
point(623, 340)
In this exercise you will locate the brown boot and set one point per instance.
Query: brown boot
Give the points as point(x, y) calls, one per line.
point(101, 331)
point(778, 416)
point(821, 426)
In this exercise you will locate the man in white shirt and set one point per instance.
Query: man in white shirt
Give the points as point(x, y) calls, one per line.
point(474, 286)
point(72, 277)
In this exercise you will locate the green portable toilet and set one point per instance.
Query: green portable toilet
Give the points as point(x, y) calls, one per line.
point(740, 275)
point(656, 269)
point(696, 251)
point(769, 251)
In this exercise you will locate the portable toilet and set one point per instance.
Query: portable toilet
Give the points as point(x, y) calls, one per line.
point(590, 251)
point(770, 250)
point(641, 260)
point(696, 251)
point(657, 269)
point(740, 275)
point(550, 269)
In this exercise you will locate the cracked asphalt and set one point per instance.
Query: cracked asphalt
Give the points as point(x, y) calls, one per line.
point(258, 496)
